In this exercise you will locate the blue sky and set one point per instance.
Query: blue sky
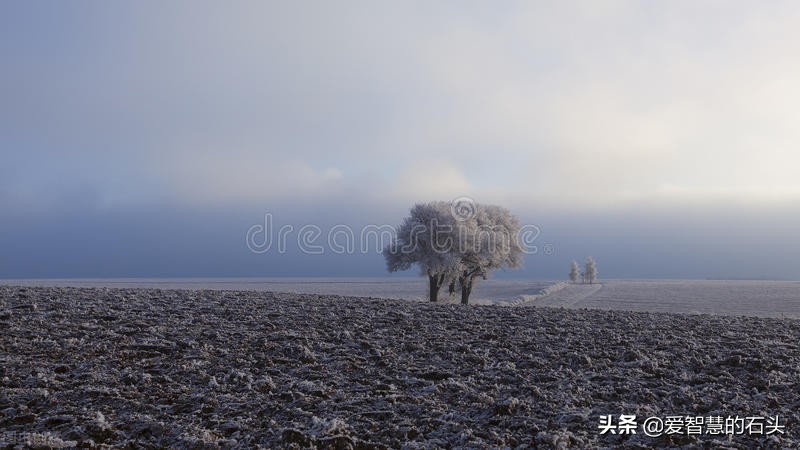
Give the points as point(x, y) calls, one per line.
point(144, 139)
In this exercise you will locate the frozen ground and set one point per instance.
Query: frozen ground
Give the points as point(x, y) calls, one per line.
point(492, 291)
point(749, 298)
point(144, 368)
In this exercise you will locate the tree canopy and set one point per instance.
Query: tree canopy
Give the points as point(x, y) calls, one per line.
point(455, 244)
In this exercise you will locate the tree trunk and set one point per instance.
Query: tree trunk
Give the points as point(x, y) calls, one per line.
point(466, 290)
point(433, 287)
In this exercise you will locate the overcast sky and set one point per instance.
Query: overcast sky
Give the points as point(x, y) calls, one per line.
point(145, 138)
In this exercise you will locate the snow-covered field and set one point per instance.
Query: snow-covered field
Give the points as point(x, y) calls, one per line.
point(750, 298)
point(139, 368)
point(408, 288)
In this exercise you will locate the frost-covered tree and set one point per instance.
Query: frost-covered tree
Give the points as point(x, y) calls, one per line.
point(426, 238)
point(455, 249)
point(590, 270)
point(487, 242)
point(574, 272)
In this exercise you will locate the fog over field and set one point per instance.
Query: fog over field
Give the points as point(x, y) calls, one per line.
point(143, 141)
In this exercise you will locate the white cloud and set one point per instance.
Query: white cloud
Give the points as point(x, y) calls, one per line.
point(246, 177)
point(426, 180)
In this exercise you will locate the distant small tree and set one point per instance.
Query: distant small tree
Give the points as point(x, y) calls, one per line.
point(591, 270)
point(574, 272)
